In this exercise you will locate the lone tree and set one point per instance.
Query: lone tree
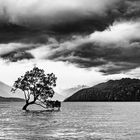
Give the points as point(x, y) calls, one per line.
point(36, 86)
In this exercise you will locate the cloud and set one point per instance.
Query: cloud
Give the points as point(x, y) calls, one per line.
point(118, 32)
point(88, 33)
point(16, 51)
point(131, 9)
point(91, 55)
point(18, 33)
point(35, 21)
point(17, 56)
point(51, 11)
point(117, 68)
point(59, 16)
point(114, 50)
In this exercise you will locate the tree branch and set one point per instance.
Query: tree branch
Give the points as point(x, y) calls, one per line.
point(41, 105)
point(41, 101)
point(25, 96)
point(28, 95)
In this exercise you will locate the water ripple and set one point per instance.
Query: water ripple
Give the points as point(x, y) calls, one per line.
point(83, 121)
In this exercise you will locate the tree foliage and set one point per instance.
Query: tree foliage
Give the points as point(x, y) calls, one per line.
point(36, 86)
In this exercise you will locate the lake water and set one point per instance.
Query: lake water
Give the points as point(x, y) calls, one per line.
point(79, 121)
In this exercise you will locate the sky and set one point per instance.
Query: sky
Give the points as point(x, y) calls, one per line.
point(83, 42)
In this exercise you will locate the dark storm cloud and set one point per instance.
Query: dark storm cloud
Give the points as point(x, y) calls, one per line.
point(17, 56)
point(131, 9)
point(116, 49)
point(12, 32)
point(20, 20)
point(16, 33)
point(14, 52)
point(118, 68)
point(108, 59)
point(34, 21)
point(87, 33)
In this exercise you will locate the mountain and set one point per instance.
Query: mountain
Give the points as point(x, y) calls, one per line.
point(5, 91)
point(6, 96)
point(3, 99)
point(70, 91)
point(125, 89)
point(58, 97)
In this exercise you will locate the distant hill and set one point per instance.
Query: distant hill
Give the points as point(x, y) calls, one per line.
point(3, 99)
point(70, 91)
point(5, 90)
point(58, 97)
point(7, 96)
point(125, 89)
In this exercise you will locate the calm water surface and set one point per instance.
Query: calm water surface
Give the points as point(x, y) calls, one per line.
point(83, 121)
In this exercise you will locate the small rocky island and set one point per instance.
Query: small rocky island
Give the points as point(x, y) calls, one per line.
point(125, 89)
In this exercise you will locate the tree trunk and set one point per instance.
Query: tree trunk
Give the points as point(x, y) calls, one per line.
point(26, 105)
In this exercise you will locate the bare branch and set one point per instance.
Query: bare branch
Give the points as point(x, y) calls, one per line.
point(28, 95)
point(25, 95)
point(41, 101)
point(41, 105)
